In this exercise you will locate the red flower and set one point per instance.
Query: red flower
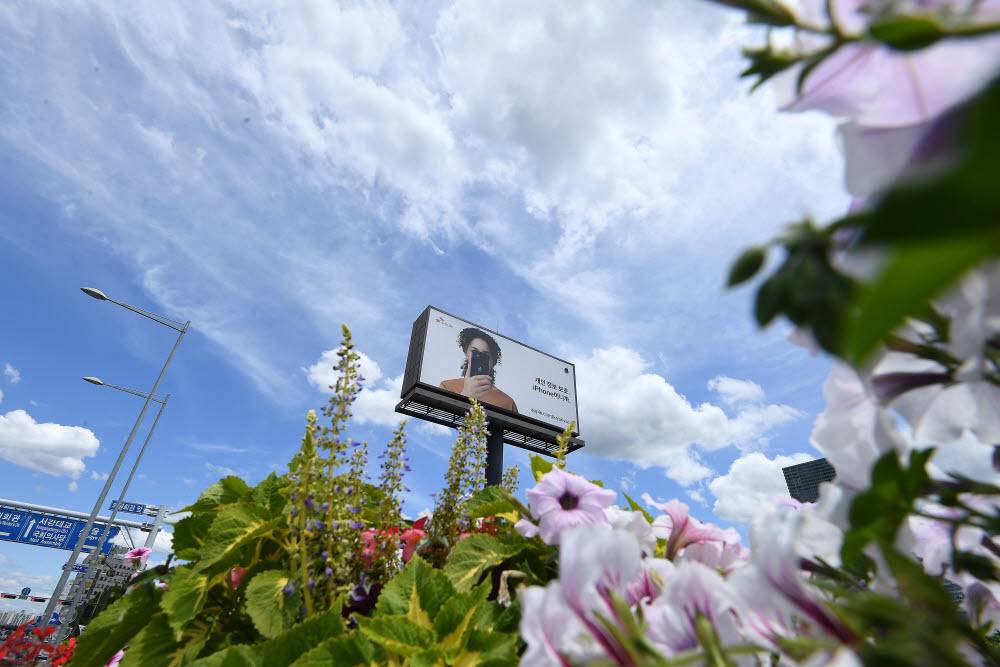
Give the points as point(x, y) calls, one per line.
point(412, 537)
point(236, 576)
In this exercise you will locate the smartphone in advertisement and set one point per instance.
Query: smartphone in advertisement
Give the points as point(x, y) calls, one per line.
point(479, 363)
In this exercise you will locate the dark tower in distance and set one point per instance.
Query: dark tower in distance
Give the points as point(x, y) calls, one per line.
point(803, 479)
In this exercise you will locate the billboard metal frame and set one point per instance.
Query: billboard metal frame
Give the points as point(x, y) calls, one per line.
point(437, 405)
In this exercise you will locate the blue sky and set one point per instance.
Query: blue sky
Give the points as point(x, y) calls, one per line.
point(581, 175)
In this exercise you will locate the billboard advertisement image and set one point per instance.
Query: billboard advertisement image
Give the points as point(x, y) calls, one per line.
point(473, 362)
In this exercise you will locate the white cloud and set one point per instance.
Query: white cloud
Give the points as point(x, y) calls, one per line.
point(73, 486)
point(215, 448)
point(639, 417)
point(50, 448)
point(220, 470)
point(98, 476)
point(13, 375)
point(164, 542)
point(376, 402)
point(734, 391)
point(752, 482)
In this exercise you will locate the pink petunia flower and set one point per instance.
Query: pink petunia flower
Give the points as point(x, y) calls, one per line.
point(411, 538)
point(115, 659)
point(680, 529)
point(562, 500)
point(138, 556)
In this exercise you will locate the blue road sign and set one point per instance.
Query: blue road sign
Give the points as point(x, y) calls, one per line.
point(79, 567)
point(128, 508)
point(25, 591)
point(50, 531)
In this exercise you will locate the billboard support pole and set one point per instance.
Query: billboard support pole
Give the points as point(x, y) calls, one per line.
point(494, 455)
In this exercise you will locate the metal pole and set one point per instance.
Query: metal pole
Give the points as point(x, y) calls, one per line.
point(50, 607)
point(114, 512)
point(160, 514)
point(494, 455)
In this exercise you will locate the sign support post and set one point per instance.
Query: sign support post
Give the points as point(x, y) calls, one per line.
point(494, 455)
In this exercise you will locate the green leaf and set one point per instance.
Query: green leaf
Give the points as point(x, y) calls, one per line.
point(185, 597)
point(539, 466)
point(226, 491)
point(271, 611)
point(344, 651)
point(231, 656)
point(746, 265)
point(770, 296)
point(417, 593)
point(155, 645)
point(235, 527)
point(114, 628)
point(476, 554)
point(457, 617)
point(398, 634)
point(287, 647)
point(906, 33)
point(914, 274)
point(766, 62)
point(189, 535)
point(636, 507)
point(489, 501)
point(268, 494)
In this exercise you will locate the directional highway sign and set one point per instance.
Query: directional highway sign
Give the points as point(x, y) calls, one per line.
point(128, 508)
point(50, 531)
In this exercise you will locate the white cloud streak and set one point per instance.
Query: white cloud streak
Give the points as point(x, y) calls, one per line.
point(13, 375)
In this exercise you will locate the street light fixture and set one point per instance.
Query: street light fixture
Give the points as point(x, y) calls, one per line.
point(101, 383)
point(175, 325)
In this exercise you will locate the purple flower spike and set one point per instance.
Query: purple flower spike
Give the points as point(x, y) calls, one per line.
point(354, 510)
point(312, 584)
point(329, 572)
point(326, 506)
point(288, 590)
point(357, 525)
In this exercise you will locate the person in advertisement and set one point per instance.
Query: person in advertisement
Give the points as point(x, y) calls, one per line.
point(478, 371)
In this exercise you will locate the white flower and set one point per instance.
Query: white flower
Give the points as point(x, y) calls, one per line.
point(853, 431)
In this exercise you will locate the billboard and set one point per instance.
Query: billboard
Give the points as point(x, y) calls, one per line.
point(467, 360)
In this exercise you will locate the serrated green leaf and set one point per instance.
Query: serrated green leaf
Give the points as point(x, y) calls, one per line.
point(235, 527)
point(398, 634)
point(746, 265)
point(476, 554)
point(914, 274)
point(287, 647)
point(268, 606)
point(268, 494)
point(417, 593)
point(189, 535)
point(457, 617)
point(489, 501)
point(114, 628)
point(155, 645)
point(226, 491)
point(539, 466)
point(231, 656)
point(344, 651)
point(185, 597)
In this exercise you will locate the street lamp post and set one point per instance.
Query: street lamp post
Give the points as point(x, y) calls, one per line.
point(121, 499)
point(173, 324)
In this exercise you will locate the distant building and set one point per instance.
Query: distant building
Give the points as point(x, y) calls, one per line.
point(110, 570)
point(803, 479)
